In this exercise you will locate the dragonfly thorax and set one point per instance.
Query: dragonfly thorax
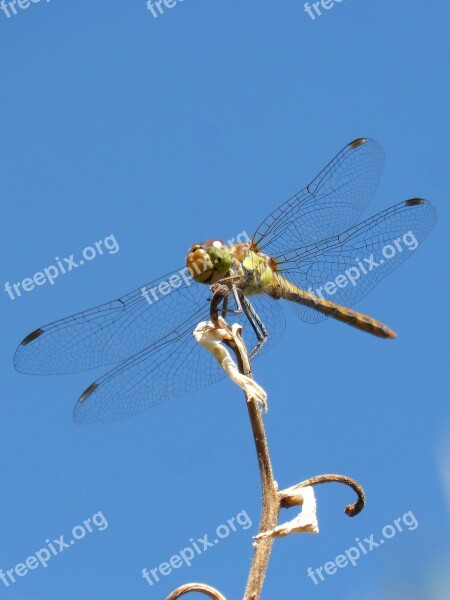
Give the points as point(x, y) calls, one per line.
point(255, 271)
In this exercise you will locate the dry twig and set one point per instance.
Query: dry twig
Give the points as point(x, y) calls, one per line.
point(211, 335)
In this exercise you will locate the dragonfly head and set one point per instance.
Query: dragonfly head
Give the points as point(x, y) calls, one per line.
point(210, 261)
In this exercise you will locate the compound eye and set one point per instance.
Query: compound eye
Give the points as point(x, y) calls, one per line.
point(214, 243)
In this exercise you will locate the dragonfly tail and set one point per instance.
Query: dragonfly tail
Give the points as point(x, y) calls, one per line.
point(330, 309)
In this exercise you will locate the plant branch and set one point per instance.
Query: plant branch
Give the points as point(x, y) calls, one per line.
point(351, 509)
point(196, 587)
point(270, 500)
point(211, 335)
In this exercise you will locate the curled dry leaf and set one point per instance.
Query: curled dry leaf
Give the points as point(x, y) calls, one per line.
point(305, 522)
point(211, 338)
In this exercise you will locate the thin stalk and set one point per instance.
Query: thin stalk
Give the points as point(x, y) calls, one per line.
point(270, 500)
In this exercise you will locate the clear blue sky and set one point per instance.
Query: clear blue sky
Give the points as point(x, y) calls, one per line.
point(196, 124)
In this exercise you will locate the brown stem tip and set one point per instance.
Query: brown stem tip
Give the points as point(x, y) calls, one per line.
point(196, 587)
point(351, 509)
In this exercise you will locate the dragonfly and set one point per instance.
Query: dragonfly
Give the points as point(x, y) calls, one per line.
point(308, 254)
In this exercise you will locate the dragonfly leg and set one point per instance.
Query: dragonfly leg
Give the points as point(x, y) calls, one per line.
point(258, 326)
point(244, 306)
point(226, 310)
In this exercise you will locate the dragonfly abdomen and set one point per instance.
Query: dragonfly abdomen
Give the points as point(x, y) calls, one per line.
point(288, 291)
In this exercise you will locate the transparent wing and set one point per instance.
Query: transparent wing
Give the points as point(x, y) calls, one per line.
point(174, 366)
point(111, 332)
point(346, 267)
point(331, 203)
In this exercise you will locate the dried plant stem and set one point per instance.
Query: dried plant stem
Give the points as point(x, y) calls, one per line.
point(270, 505)
point(196, 587)
point(272, 499)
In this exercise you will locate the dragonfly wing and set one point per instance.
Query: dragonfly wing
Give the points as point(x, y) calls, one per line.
point(111, 332)
point(174, 366)
point(345, 268)
point(331, 203)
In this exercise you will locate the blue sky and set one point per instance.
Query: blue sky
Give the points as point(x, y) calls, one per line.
point(196, 124)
